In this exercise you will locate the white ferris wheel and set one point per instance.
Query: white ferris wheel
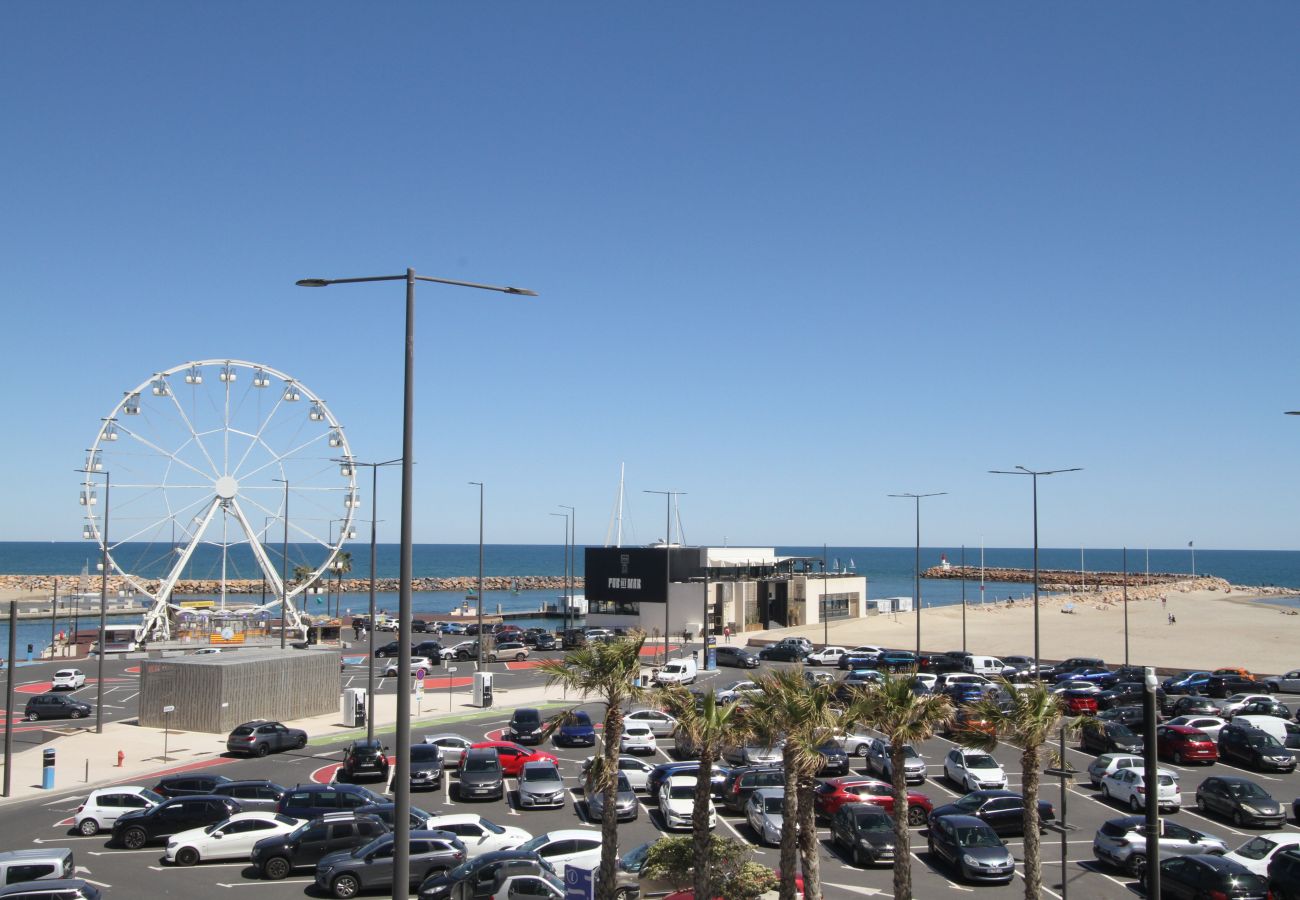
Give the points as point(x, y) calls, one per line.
point(225, 472)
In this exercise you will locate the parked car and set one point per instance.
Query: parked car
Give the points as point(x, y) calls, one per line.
point(1233, 704)
point(367, 756)
point(546, 641)
point(1184, 744)
point(479, 835)
point(834, 760)
point(1206, 875)
point(479, 874)
point(783, 652)
point(540, 784)
point(1129, 693)
point(308, 801)
point(1003, 811)
point(677, 803)
point(189, 784)
point(418, 664)
point(260, 737)
point(139, 827)
point(964, 721)
point(626, 806)
point(827, 656)
point(898, 661)
point(1259, 851)
point(1109, 737)
point(664, 771)
point(880, 761)
point(392, 648)
point(752, 755)
point(863, 657)
point(1239, 799)
point(971, 849)
point(736, 656)
point(1129, 786)
point(743, 781)
point(51, 889)
point(55, 706)
point(1079, 702)
point(1284, 731)
point(1132, 717)
point(232, 839)
point(1185, 682)
point(1109, 763)
point(1268, 707)
point(346, 873)
point(431, 650)
point(451, 746)
point(1122, 842)
point(1284, 875)
point(513, 757)
point(1226, 684)
point(1288, 682)
point(68, 680)
point(525, 726)
point(765, 811)
point(481, 775)
point(973, 770)
point(637, 739)
point(463, 651)
point(1254, 748)
point(426, 767)
point(37, 864)
point(104, 805)
point(833, 793)
point(1195, 704)
point(1211, 725)
point(253, 795)
point(516, 650)
point(865, 832)
point(567, 847)
point(636, 771)
point(660, 723)
point(577, 731)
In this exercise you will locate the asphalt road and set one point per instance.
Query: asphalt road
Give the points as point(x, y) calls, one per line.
point(141, 873)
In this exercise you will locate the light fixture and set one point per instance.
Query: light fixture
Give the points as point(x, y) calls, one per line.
point(131, 405)
point(161, 388)
point(194, 375)
point(227, 373)
point(260, 379)
point(291, 392)
point(317, 413)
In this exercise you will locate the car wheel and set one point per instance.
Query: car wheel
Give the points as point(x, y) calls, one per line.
point(76, 714)
point(88, 827)
point(262, 750)
point(492, 657)
point(435, 872)
point(915, 815)
point(134, 839)
point(1178, 757)
point(862, 750)
point(345, 886)
point(1200, 805)
point(187, 856)
point(276, 867)
point(32, 717)
point(1105, 792)
point(624, 894)
point(1133, 803)
point(520, 657)
point(302, 742)
point(1137, 866)
point(1238, 818)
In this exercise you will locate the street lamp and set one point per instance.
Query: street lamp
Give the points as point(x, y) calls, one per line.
point(1151, 774)
point(370, 632)
point(103, 599)
point(401, 772)
point(572, 572)
point(480, 573)
point(917, 573)
point(284, 566)
point(566, 573)
point(1021, 470)
point(826, 626)
point(668, 555)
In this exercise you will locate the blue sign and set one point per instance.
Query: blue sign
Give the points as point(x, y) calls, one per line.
point(578, 884)
point(713, 659)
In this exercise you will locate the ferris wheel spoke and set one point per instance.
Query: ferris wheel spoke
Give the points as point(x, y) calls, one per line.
point(277, 459)
point(257, 436)
point(259, 552)
point(189, 425)
point(171, 456)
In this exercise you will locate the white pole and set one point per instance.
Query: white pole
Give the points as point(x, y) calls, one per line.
point(981, 570)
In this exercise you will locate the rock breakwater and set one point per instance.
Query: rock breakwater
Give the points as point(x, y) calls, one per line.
point(27, 584)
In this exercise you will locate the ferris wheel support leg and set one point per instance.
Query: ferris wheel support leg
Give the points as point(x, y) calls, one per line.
point(293, 620)
point(156, 624)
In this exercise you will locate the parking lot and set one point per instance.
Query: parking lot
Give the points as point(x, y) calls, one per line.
point(132, 873)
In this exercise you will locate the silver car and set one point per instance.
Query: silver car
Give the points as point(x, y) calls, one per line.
point(661, 724)
point(626, 806)
point(878, 759)
point(765, 811)
point(753, 755)
point(636, 771)
point(540, 784)
point(453, 747)
point(1123, 843)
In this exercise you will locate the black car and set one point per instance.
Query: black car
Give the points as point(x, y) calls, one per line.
point(972, 848)
point(525, 726)
point(664, 771)
point(426, 767)
point(56, 706)
point(1222, 685)
point(431, 650)
point(1110, 737)
point(367, 756)
point(1003, 811)
point(419, 626)
point(1284, 875)
point(260, 737)
point(783, 653)
point(307, 801)
point(1132, 717)
point(392, 648)
point(866, 832)
point(252, 795)
point(1264, 708)
point(545, 641)
point(1194, 705)
point(481, 873)
point(1131, 674)
point(1207, 875)
point(744, 780)
point(1240, 800)
point(467, 650)
point(1254, 748)
point(481, 775)
point(138, 827)
point(276, 857)
point(573, 639)
point(938, 663)
point(191, 784)
point(736, 656)
point(834, 760)
point(1128, 693)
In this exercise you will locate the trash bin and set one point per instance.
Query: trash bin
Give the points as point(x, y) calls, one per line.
point(47, 768)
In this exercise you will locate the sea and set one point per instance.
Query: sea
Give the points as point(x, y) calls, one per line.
point(889, 572)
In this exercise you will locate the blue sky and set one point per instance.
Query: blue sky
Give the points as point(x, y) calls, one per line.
point(791, 258)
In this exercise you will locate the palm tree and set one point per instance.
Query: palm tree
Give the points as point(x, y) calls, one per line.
point(903, 717)
point(1028, 718)
point(607, 671)
point(705, 729)
point(801, 718)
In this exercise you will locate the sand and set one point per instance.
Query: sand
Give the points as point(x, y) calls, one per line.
point(1213, 628)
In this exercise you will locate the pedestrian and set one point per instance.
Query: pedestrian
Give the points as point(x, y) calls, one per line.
point(1173, 620)
point(1163, 601)
point(726, 633)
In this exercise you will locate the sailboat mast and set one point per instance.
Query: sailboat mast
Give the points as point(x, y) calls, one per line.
point(618, 541)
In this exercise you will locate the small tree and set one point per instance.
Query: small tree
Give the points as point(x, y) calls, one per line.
point(730, 872)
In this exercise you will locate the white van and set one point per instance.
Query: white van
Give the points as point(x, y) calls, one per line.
point(989, 666)
point(677, 671)
point(1287, 733)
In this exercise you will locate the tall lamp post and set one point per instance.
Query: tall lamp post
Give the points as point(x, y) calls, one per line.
point(1021, 470)
point(826, 623)
point(565, 516)
point(916, 596)
point(370, 632)
point(963, 598)
point(480, 573)
point(668, 553)
point(401, 772)
point(572, 577)
point(284, 566)
point(103, 601)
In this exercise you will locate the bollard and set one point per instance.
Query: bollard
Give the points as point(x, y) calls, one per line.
point(87, 778)
point(47, 769)
point(121, 758)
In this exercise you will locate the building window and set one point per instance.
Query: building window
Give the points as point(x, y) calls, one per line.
point(615, 607)
point(838, 606)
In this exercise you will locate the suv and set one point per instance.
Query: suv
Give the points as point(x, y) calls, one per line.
point(135, 829)
point(307, 801)
point(346, 873)
point(56, 706)
point(365, 757)
point(1254, 747)
point(253, 796)
point(525, 726)
point(481, 775)
point(276, 857)
point(1220, 686)
point(190, 785)
point(742, 782)
point(33, 865)
point(1123, 842)
point(480, 874)
point(101, 809)
point(260, 737)
point(432, 650)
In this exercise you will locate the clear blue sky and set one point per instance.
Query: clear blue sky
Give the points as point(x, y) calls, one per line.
point(792, 257)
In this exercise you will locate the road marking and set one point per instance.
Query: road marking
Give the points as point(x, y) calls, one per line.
point(120, 852)
point(265, 883)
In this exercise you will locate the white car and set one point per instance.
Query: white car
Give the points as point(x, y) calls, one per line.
point(974, 770)
point(544, 886)
point(1290, 682)
point(736, 690)
point(659, 722)
point(567, 847)
point(1230, 706)
point(856, 744)
point(1128, 786)
point(417, 663)
point(68, 680)
point(452, 747)
point(1109, 763)
point(677, 803)
point(1076, 684)
point(637, 770)
point(1209, 724)
point(232, 839)
point(926, 680)
point(1259, 851)
point(637, 739)
point(206, 651)
point(100, 810)
point(827, 656)
point(479, 835)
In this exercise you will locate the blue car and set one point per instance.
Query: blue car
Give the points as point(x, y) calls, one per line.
point(1186, 682)
point(579, 732)
point(1104, 678)
point(853, 661)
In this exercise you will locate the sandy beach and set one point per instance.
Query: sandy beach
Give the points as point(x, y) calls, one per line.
point(1212, 628)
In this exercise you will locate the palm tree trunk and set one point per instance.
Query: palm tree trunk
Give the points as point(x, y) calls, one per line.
point(789, 818)
point(902, 837)
point(1029, 763)
point(812, 873)
point(607, 881)
point(700, 833)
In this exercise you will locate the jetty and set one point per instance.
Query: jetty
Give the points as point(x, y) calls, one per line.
point(1054, 579)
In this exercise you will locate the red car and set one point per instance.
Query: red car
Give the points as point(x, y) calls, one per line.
point(1079, 703)
point(833, 793)
point(1183, 743)
point(513, 756)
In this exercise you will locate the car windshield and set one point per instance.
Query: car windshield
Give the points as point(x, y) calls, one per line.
point(1120, 730)
point(484, 763)
point(875, 822)
point(969, 803)
point(831, 747)
point(633, 859)
point(980, 761)
point(528, 717)
point(1257, 848)
point(976, 837)
point(151, 796)
point(424, 753)
point(542, 775)
point(1247, 790)
point(774, 805)
point(681, 791)
point(1266, 741)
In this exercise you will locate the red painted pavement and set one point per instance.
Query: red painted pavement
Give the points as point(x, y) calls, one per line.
point(44, 687)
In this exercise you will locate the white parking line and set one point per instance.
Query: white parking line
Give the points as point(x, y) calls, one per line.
point(263, 883)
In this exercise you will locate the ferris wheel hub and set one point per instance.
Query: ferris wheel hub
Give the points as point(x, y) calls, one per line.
point(226, 487)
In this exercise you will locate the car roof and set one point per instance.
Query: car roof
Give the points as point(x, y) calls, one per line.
point(966, 822)
point(769, 792)
point(118, 789)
